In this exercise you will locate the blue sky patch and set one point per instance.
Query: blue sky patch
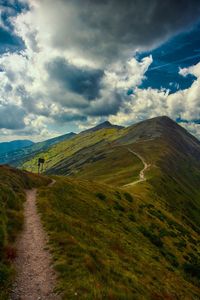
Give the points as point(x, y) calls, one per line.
point(181, 51)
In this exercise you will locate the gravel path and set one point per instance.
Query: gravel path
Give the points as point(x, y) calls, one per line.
point(142, 172)
point(35, 276)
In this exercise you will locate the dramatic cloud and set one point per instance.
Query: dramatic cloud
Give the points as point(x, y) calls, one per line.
point(101, 31)
point(78, 64)
point(182, 105)
point(117, 83)
point(85, 82)
point(98, 32)
point(12, 117)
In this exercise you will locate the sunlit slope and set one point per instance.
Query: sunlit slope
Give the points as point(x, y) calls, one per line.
point(110, 244)
point(59, 152)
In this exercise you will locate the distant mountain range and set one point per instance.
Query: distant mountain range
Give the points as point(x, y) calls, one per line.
point(6, 147)
point(18, 155)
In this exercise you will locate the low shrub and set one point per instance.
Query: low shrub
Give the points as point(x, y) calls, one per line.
point(154, 239)
point(192, 269)
point(128, 197)
point(132, 217)
point(180, 245)
point(118, 195)
point(119, 207)
point(170, 257)
point(101, 196)
point(158, 214)
point(163, 232)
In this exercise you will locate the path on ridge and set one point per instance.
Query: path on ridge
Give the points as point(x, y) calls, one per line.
point(35, 276)
point(142, 172)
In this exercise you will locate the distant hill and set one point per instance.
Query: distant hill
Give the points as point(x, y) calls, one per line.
point(6, 147)
point(16, 157)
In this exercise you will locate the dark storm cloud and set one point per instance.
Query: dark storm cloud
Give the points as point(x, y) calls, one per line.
point(109, 28)
point(12, 117)
point(8, 40)
point(85, 82)
point(105, 106)
point(67, 117)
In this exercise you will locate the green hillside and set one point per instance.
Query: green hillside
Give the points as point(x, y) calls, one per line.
point(59, 152)
point(12, 185)
point(119, 241)
point(104, 155)
point(108, 243)
point(123, 217)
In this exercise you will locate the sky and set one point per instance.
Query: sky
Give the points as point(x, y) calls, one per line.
point(68, 65)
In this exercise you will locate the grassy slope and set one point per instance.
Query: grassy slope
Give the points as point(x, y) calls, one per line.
point(175, 170)
point(158, 232)
point(61, 151)
point(173, 153)
point(91, 155)
point(110, 245)
point(105, 162)
point(12, 185)
point(115, 166)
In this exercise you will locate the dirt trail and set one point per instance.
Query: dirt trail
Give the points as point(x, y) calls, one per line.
point(35, 276)
point(142, 172)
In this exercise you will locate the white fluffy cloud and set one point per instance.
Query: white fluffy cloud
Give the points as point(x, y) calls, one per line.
point(192, 128)
point(78, 67)
point(147, 103)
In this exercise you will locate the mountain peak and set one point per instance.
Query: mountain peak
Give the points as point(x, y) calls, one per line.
point(164, 119)
point(155, 123)
point(106, 123)
point(103, 125)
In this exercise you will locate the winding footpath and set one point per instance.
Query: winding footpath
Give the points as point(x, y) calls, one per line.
point(35, 276)
point(142, 172)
